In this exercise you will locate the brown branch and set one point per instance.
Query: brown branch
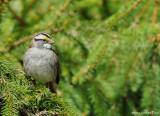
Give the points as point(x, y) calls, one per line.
point(19, 90)
point(21, 71)
point(58, 14)
point(140, 14)
point(40, 94)
point(126, 12)
point(89, 67)
point(20, 20)
point(23, 81)
point(65, 5)
point(155, 13)
point(24, 39)
point(103, 91)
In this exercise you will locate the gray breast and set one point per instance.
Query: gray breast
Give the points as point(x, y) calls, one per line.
point(40, 64)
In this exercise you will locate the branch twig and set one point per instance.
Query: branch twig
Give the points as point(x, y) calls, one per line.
point(89, 67)
point(140, 14)
point(21, 71)
point(23, 81)
point(155, 13)
point(126, 12)
point(24, 39)
point(65, 5)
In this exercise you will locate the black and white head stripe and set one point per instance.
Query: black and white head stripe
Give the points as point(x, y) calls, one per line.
point(42, 36)
point(47, 35)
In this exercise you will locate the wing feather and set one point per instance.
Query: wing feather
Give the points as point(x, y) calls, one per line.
point(58, 68)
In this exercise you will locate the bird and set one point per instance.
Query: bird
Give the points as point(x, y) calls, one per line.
point(41, 62)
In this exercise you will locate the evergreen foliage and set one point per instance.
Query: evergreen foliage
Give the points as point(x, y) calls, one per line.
point(17, 95)
point(109, 52)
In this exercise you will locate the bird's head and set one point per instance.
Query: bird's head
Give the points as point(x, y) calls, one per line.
point(42, 40)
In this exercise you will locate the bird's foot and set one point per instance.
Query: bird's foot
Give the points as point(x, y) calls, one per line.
point(34, 82)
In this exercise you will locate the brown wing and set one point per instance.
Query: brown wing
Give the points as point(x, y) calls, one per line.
point(32, 43)
point(58, 68)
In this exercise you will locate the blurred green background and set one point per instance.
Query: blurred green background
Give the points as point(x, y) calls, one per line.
point(109, 50)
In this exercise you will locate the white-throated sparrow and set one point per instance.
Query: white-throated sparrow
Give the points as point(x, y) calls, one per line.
point(41, 61)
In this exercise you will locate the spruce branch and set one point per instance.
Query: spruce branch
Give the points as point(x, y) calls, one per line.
point(140, 14)
point(19, 19)
point(125, 13)
point(98, 86)
point(112, 60)
point(12, 72)
point(24, 112)
point(58, 14)
point(75, 79)
point(9, 94)
point(23, 81)
point(21, 71)
point(65, 5)
point(24, 39)
point(19, 90)
point(49, 31)
point(29, 8)
point(40, 94)
point(155, 13)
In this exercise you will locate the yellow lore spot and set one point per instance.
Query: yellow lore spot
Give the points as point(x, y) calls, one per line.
point(47, 38)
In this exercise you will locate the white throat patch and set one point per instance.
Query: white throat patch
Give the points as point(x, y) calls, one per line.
point(49, 46)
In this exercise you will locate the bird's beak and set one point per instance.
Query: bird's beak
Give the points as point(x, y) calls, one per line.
point(51, 41)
